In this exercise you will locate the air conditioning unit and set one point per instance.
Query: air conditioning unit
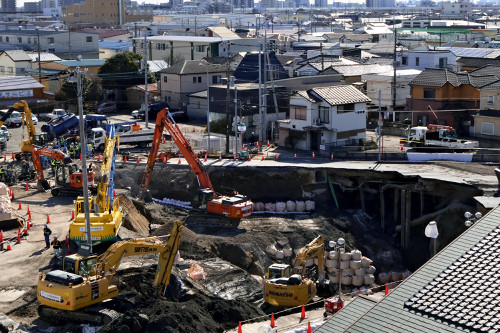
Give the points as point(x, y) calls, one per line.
point(316, 121)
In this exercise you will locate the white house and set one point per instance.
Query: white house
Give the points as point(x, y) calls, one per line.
point(425, 58)
point(322, 118)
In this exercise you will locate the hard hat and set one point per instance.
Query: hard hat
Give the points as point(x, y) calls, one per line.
point(55, 237)
point(45, 224)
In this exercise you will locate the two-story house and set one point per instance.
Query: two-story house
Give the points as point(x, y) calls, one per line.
point(421, 59)
point(322, 118)
point(181, 80)
point(14, 62)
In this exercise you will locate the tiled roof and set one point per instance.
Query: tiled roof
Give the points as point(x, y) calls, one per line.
point(487, 70)
point(390, 314)
point(18, 83)
point(341, 320)
point(305, 95)
point(467, 292)
point(477, 62)
point(489, 113)
point(495, 85)
point(438, 77)
point(341, 94)
point(353, 70)
point(18, 55)
point(194, 67)
point(44, 56)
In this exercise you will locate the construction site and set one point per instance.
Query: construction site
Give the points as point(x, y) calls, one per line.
point(185, 241)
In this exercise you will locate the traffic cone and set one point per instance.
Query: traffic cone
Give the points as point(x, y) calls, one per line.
point(331, 157)
point(19, 235)
point(48, 219)
point(164, 141)
point(220, 157)
point(303, 313)
point(272, 320)
point(80, 156)
point(359, 292)
point(164, 160)
point(262, 158)
point(295, 156)
point(138, 159)
point(49, 183)
point(114, 194)
point(13, 157)
point(194, 129)
point(8, 246)
point(257, 145)
point(234, 157)
point(179, 162)
point(25, 231)
point(29, 214)
point(239, 327)
point(313, 156)
point(268, 144)
point(249, 158)
point(72, 214)
point(401, 147)
point(99, 157)
point(12, 197)
point(386, 289)
point(276, 158)
point(124, 158)
point(67, 246)
point(1, 236)
point(205, 158)
point(19, 208)
point(309, 327)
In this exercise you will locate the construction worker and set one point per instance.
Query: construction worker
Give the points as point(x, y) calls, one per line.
point(57, 246)
point(2, 174)
point(53, 166)
point(46, 234)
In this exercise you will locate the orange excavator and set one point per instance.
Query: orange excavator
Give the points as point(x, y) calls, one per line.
point(233, 207)
point(68, 176)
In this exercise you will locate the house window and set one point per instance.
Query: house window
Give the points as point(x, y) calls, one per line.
point(29, 40)
point(215, 79)
point(160, 46)
point(2, 69)
point(194, 79)
point(345, 108)
point(490, 100)
point(429, 93)
point(165, 79)
point(89, 39)
point(200, 48)
point(7, 39)
point(298, 112)
point(487, 128)
point(10, 70)
point(51, 40)
point(19, 39)
point(404, 60)
point(1, 38)
point(52, 50)
point(417, 61)
point(199, 79)
point(443, 62)
point(324, 114)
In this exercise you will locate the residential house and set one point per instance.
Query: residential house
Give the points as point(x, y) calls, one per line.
point(378, 31)
point(60, 42)
point(107, 49)
point(472, 63)
point(179, 81)
point(382, 82)
point(348, 38)
point(90, 65)
point(323, 118)
point(182, 47)
point(353, 73)
point(14, 62)
point(321, 64)
point(441, 90)
point(428, 58)
point(248, 68)
point(110, 35)
point(16, 88)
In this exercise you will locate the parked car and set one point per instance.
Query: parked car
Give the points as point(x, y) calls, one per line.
point(14, 120)
point(153, 108)
point(34, 119)
point(4, 131)
point(106, 107)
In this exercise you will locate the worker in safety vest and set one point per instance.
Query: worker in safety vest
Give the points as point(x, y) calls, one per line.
point(57, 246)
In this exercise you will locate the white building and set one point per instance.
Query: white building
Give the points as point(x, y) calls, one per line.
point(322, 118)
point(51, 8)
point(421, 59)
point(459, 8)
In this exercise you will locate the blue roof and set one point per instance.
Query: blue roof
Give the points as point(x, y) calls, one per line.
point(82, 63)
point(468, 52)
point(114, 45)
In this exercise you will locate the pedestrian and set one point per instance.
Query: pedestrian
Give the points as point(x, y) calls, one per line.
point(252, 139)
point(46, 234)
point(57, 246)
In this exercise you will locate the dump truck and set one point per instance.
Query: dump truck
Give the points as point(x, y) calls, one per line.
point(130, 133)
point(61, 125)
point(438, 136)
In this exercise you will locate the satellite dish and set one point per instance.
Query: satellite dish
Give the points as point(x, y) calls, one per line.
point(79, 58)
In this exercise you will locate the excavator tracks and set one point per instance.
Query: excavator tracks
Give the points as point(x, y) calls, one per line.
point(95, 315)
point(204, 219)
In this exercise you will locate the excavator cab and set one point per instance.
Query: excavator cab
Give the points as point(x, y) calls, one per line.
point(276, 271)
point(40, 139)
point(79, 265)
point(204, 195)
point(79, 204)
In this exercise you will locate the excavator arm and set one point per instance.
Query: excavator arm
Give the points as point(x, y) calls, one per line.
point(314, 249)
point(26, 144)
point(165, 246)
point(105, 187)
point(164, 120)
point(36, 152)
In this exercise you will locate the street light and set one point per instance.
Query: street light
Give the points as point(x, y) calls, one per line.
point(432, 232)
point(338, 247)
point(39, 56)
point(208, 107)
point(471, 218)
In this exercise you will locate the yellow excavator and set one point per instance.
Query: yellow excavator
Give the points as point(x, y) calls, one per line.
point(72, 293)
point(291, 286)
point(106, 214)
point(34, 138)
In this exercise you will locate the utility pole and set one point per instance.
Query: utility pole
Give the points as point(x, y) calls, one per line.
point(83, 145)
point(228, 117)
point(145, 64)
point(379, 123)
point(260, 97)
point(39, 56)
point(394, 76)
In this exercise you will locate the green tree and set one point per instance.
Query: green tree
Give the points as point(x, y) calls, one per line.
point(121, 71)
point(68, 91)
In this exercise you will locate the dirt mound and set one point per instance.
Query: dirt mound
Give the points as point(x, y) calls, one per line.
point(133, 219)
point(184, 312)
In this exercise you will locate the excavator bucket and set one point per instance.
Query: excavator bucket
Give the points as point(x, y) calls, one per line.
point(42, 185)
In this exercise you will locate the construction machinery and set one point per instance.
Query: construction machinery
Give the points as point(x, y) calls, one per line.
point(438, 136)
point(34, 138)
point(234, 207)
point(68, 176)
point(106, 217)
point(71, 293)
point(294, 286)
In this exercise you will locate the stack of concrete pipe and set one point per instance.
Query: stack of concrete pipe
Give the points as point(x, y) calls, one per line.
point(393, 276)
point(280, 249)
point(355, 269)
point(285, 207)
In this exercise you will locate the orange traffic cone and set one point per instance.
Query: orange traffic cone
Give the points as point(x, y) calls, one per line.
point(48, 219)
point(262, 158)
point(303, 313)
point(72, 214)
point(331, 157)
point(12, 198)
point(19, 208)
point(124, 158)
point(138, 159)
point(13, 157)
point(1, 236)
point(313, 156)
point(276, 157)
point(8, 246)
point(114, 194)
point(386, 289)
point(239, 327)
point(29, 214)
point(295, 156)
point(25, 231)
point(28, 224)
point(257, 145)
point(220, 157)
point(249, 158)
point(268, 144)
point(205, 158)
point(164, 160)
point(80, 156)
point(401, 147)
point(49, 184)
point(99, 157)
point(309, 327)
point(164, 141)
point(19, 235)
point(179, 162)
point(272, 320)
point(234, 157)
point(359, 292)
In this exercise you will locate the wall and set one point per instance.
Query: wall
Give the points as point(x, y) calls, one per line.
point(483, 102)
point(429, 60)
